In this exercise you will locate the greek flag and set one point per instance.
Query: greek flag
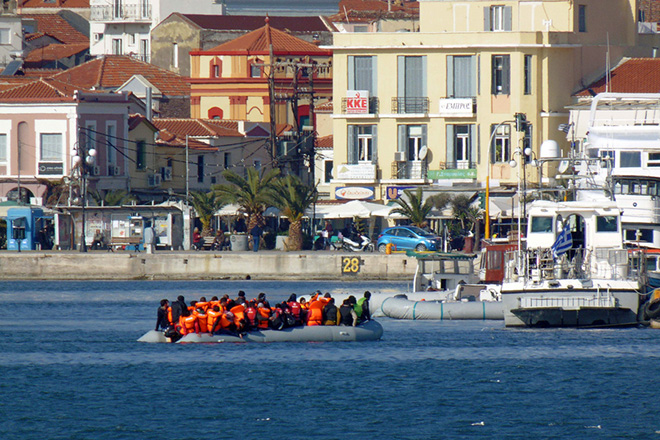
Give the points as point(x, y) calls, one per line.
point(563, 242)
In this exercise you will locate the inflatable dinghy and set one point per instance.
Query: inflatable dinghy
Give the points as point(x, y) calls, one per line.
point(368, 331)
point(400, 307)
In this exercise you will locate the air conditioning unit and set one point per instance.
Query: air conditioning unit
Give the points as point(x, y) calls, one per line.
point(166, 173)
point(113, 170)
point(95, 170)
point(400, 156)
point(154, 180)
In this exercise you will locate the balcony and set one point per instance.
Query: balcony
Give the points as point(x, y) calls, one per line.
point(410, 105)
point(111, 13)
point(373, 106)
point(415, 169)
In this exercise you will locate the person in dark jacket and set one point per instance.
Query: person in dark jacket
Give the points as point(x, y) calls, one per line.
point(330, 313)
point(179, 308)
point(347, 315)
point(162, 322)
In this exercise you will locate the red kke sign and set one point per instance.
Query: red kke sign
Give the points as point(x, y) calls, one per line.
point(357, 101)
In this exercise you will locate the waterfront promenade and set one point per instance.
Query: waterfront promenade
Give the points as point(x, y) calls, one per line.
point(204, 265)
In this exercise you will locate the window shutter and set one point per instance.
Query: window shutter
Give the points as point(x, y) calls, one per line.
point(507, 18)
point(486, 18)
point(351, 154)
point(423, 76)
point(374, 77)
point(351, 73)
point(450, 76)
point(402, 135)
point(491, 147)
point(424, 138)
point(473, 144)
point(493, 75)
point(451, 157)
point(374, 134)
point(473, 76)
point(401, 77)
point(506, 75)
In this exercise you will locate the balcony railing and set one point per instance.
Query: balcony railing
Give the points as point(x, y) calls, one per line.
point(416, 169)
point(373, 105)
point(458, 165)
point(410, 105)
point(133, 12)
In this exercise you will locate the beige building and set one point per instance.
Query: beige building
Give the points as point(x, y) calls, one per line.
point(440, 103)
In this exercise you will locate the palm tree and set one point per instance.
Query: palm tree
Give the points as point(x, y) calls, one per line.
point(205, 204)
point(413, 208)
point(293, 197)
point(115, 197)
point(253, 193)
point(464, 212)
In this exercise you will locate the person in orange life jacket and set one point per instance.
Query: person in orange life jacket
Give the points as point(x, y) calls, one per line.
point(162, 320)
point(295, 308)
point(224, 324)
point(251, 316)
point(239, 316)
point(214, 302)
point(347, 315)
point(330, 313)
point(212, 317)
point(263, 315)
point(189, 324)
point(179, 309)
point(315, 315)
point(202, 320)
point(203, 303)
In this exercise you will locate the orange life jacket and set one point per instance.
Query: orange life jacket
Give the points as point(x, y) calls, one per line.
point(202, 319)
point(224, 322)
point(188, 324)
point(211, 317)
point(251, 316)
point(203, 305)
point(264, 312)
point(316, 313)
point(239, 314)
point(169, 315)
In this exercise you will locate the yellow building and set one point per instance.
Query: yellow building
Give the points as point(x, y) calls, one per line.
point(440, 103)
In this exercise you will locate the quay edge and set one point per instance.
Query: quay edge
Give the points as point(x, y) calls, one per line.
point(124, 265)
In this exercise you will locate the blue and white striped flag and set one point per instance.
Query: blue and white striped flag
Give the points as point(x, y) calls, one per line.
point(563, 242)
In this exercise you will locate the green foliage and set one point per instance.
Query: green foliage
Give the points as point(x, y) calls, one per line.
point(359, 225)
point(293, 197)
point(464, 213)
point(413, 208)
point(205, 205)
point(116, 197)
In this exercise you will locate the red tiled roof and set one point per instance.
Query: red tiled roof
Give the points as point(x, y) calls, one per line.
point(258, 41)
point(252, 22)
point(324, 143)
point(369, 10)
point(112, 71)
point(57, 27)
point(326, 107)
point(193, 127)
point(43, 89)
point(634, 75)
point(63, 4)
point(9, 82)
point(54, 52)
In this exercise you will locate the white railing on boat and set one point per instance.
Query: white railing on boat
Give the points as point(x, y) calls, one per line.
point(567, 303)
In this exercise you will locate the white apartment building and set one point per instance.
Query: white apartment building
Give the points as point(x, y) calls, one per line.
point(123, 27)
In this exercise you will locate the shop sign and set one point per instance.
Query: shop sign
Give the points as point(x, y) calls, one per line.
point(51, 168)
point(358, 171)
point(357, 101)
point(394, 192)
point(452, 174)
point(355, 192)
point(456, 107)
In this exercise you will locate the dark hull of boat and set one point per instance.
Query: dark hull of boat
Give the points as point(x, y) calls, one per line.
point(584, 317)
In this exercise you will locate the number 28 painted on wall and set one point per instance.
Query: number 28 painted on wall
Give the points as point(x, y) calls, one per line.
point(350, 265)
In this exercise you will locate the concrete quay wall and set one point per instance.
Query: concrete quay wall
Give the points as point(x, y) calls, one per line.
point(204, 265)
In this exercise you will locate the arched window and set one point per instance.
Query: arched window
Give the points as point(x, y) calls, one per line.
point(215, 113)
point(215, 68)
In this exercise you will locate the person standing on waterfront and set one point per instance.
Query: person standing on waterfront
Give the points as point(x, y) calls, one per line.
point(149, 238)
point(256, 237)
point(327, 235)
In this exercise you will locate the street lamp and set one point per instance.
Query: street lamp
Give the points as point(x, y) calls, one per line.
point(85, 157)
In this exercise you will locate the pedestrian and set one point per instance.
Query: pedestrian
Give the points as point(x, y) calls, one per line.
point(327, 234)
point(256, 237)
point(149, 238)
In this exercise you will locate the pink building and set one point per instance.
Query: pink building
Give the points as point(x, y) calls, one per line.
point(45, 123)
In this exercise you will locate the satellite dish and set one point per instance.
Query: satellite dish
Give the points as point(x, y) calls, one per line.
point(423, 152)
point(563, 166)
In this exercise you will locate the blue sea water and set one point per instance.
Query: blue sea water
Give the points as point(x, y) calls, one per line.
point(71, 369)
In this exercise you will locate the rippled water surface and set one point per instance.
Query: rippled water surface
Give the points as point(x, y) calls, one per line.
point(71, 369)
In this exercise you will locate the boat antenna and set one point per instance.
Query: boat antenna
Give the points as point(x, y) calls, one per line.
point(608, 66)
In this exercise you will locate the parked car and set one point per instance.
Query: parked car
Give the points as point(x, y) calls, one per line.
point(409, 237)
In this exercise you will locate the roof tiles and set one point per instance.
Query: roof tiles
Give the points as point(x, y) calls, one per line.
point(634, 75)
point(57, 27)
point(252, 22)
point(54, 52)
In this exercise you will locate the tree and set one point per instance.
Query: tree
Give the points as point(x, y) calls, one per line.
point(293, 197)
point(115, 197)
point(205, 204)
point(413, 208)
point(253, 193)
point(464, 212)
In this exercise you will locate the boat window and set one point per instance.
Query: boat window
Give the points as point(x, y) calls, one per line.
point(652, 188)
point(494, 260)
point(631, 159)
point(606, 223)
point(654, 160)
point(592, 153)
point(605, 154)
point(645, 235)
point(625, 187)
point(651, 263)
point(636, 187)
point(541, 224)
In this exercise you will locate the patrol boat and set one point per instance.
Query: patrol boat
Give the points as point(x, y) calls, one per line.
point(574, 270)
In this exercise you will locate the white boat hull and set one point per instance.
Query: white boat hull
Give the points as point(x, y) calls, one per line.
point(400, 307)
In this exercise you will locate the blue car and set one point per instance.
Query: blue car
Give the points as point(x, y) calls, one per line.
point(408, 237)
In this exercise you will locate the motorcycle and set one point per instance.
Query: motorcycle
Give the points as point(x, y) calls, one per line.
point(352, 245)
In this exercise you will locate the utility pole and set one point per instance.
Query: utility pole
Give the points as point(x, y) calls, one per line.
point(271, 96)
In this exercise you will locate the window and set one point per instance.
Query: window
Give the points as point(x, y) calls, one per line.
point(654, 160)
point(175, 55)
point(4, 36)
point(200, 169)
point(411, 139)
point(607, 157)
point(461, 140)
point(606, 223)
point(97, 36)
point(501, 148)
point(645, 235)
point(89, 135)
point(51, 147)
point(3, 148)
point(527, 86)
point(327, 170)
point(541, 224)
point(360, 28)
point(641, 15)
point(501, 74)
point(412, 84)
point(117, 8)
point(257, 165)
point(227, 160)
point(255, 70)
point(111, 141)
point(362, 74)
point(131, 39)
point(497, 18)
point(216, 71)
point(117, 48)
point(362, 144)
point(582, 18)
point(631, 159)
point(144, 50)
point(141, 156)
point(461, 76)
point(144, 8)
